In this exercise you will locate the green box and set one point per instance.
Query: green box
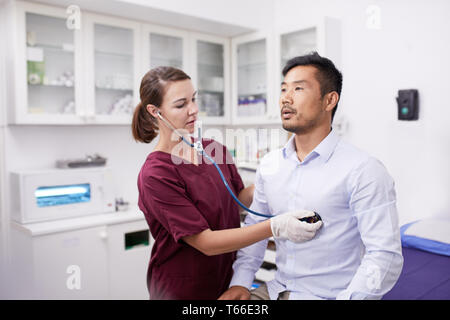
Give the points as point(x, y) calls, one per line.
point(36, 72)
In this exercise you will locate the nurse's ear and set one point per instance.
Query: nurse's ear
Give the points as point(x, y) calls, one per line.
point(153, 110)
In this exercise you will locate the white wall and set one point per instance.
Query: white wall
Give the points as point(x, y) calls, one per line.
point(249, 13)
point(34, 147)
point(411, 50)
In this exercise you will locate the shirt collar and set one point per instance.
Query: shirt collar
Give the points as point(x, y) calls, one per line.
point(324, 149)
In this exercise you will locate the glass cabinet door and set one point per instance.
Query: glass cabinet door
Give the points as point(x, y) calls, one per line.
point(296, 44)
point(165, 51)
point(251, 79)
point(114, 70)
point(210, 75)
point(50, 65)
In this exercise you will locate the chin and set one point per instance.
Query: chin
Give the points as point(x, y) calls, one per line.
point(189, 129)
point(297, 128)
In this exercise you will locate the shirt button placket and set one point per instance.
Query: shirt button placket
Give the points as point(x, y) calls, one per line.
point(294, 188)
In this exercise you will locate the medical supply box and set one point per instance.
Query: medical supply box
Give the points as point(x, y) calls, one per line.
point(52, 194)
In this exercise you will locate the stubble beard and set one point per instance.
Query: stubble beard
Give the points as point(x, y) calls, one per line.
point(298, 128)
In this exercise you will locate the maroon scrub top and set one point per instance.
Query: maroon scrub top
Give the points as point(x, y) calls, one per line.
point(180, 200)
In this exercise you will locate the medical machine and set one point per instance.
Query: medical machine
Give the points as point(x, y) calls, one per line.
point(61, 193)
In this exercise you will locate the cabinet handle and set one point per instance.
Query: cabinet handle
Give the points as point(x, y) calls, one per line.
point(103, 235)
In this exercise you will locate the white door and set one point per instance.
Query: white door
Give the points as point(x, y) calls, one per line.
point(113, 60)
point(129, 246)
point(252, 98)
point(48, 65)
point(211, 77)
point(71, 265)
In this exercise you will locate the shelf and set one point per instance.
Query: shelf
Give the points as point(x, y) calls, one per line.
point(172, 61)
point(114, 54)
point(40, 85)
point(245, 95)
point(258, 65)
point(210, 91)
point(250, 166)
point(53, 47)
point(113, 89)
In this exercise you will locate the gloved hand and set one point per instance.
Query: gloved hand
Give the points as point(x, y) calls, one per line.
point(287, 226)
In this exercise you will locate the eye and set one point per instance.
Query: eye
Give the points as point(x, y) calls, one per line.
point(298, 88)
point(180, 106)
point(283, 89)
point(194, 99)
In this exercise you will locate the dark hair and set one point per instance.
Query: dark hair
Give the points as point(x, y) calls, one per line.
point(153, 87)
point(330, 78)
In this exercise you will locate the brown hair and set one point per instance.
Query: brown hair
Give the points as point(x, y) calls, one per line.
point(144, 126)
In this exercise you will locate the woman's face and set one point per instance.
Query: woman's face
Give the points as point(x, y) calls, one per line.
point(179, 105)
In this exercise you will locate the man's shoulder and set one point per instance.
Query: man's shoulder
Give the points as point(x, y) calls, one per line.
point(351, 154)
point(358, 160)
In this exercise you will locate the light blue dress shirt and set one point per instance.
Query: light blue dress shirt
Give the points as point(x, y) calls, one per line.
point(357, 252)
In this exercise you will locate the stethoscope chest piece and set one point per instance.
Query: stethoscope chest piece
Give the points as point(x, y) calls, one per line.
point(315, 218)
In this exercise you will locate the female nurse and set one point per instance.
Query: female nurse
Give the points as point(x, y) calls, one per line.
point(193, 219)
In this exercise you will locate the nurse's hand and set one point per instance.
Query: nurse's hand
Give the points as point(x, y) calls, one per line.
point(235, 293)
point(286, 226)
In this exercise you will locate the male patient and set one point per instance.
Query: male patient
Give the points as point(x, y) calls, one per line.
point(357, 252)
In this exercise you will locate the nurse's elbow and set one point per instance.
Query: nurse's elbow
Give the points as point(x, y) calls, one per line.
point(201, 242)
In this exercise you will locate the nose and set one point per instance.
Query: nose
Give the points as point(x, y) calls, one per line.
point(286, 97)
point(193, 108)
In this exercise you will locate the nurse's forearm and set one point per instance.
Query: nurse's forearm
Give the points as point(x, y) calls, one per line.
point(246, 195)
point(222, 241)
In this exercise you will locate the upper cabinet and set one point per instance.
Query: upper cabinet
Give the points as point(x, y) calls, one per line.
point(112, 57)
point(259, 58)
point(45, 68)
point(252, 95)
point(291, 41)
point(90, 73)
point(210, 73)
point(164, 47)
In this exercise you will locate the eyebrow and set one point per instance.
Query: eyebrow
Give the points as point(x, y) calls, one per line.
point(296, 81)
point(183, 99)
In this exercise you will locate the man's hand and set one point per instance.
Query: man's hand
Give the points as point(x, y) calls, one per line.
point(235, 293)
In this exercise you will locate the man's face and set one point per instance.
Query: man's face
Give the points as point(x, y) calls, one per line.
point(301, 105)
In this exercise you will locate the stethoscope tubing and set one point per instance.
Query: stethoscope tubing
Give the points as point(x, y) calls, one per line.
point(199, 148)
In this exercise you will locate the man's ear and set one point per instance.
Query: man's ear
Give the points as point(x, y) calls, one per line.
point(153, 110)
point(331, 100)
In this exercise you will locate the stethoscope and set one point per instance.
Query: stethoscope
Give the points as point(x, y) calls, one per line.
point(197, 146)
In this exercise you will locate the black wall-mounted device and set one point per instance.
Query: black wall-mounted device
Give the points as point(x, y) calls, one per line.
point(408, 104)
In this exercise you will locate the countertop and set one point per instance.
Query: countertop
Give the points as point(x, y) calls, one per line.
point(47, 227)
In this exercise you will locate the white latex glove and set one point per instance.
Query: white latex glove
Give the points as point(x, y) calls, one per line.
point(287, 226)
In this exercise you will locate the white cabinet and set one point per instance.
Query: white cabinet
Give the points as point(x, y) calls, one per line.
point(44, 65)
point(112, 72)
point(164, 47)
point(91, 75)
point(252, 94)
point(98, 257)
point(291, 41)
point(87, 74)
point(210, 57)
point(258, 60)
point(68, 265)
point(129, 255)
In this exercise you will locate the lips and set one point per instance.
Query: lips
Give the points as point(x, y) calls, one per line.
point(286, 113)
point(191, 122)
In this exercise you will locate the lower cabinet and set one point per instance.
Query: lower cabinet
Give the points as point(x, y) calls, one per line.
point(102, 262)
